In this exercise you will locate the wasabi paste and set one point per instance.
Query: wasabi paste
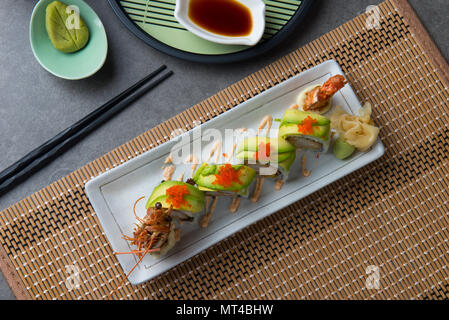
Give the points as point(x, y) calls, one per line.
point(66, 29)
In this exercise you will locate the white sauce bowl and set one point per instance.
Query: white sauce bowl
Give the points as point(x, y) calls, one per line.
point(257, 9)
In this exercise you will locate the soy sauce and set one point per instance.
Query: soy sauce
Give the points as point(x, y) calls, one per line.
point(224, 17)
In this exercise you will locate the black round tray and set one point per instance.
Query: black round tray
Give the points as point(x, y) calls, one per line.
point(258, 49)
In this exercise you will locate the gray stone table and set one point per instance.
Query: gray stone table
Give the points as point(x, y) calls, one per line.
point(34, 105)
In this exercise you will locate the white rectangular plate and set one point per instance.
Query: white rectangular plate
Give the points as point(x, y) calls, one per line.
point(113, 193)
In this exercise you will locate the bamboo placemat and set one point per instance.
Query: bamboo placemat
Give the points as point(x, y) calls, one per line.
point(392, 215)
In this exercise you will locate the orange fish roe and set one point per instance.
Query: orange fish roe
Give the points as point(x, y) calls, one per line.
point(264, 152)
point(175, 196)
point(307, 125)
point(226, 176)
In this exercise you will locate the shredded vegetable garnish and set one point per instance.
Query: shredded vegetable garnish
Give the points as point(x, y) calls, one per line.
point(149, 236)
point(137, 251)
point(134, 209)
point(123, 280)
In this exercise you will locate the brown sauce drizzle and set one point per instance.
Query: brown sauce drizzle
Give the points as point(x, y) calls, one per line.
point(206, 218)
point(258, 189)
point(266, 122)
point(236, 200)
point(216, 149)
point(229, 157)
point(305, 172)
point(168, 160)
point(279, 184)
point(168, 172)
point(194, 160)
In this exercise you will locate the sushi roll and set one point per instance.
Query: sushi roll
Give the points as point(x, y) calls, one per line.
point(169, 201)
point(306, 130)
point(271, 157)
point(224, 180)
point(178, 195)
point(155, 231)
point(318, 98)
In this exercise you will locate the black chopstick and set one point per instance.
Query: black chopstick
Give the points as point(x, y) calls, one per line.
point(38, 152)
point(43, 154)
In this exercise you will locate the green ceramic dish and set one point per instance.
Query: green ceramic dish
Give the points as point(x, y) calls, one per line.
point(72, 66)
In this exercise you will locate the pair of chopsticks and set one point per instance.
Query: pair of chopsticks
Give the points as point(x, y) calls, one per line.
point(55, 146)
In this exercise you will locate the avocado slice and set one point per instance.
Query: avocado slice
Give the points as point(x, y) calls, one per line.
point(278, 145)
point(247, 176)
point(208, 170)
point(243, 192)
point(293, 116)
point(162, 188)
point(193, 205)
point(320, 132)
point(342, 149)
point(287, 163)
point(251, 156)
point(200, 170)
